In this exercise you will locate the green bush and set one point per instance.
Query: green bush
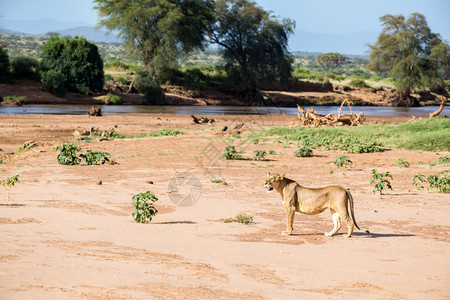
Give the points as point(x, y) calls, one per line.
point(117, 64)
point(380, 181)
point(24, 67)
point(303, 152)
point(95, 157)
point(144, 208)
point(108, 77)
point(111, 99)
point(20, 100)
point(358, 82)
point(53, 82)
point(230, 153)
point(76, 58)
point(4, 63)
point(259, 154)
point(195, 75)
point(122, 80)
point(146, 85)
point(68, 154)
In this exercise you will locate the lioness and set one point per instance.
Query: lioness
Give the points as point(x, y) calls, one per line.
point(313, 201)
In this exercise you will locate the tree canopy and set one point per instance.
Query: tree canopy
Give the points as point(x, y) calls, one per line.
point(330, 61)
point(254, 43)
point(77, 59)
point(411, 53)
point(158, 29)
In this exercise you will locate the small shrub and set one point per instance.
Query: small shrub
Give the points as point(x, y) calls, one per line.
point(95, 158)
point(144, 208)
point(369, 147)
point(441, 182)
point(24, 67)
point(122, 80)
point(259, 154)
point(230, 153)
point(418, 181)
point(217, 180)
point(8, 183)
point(240, 218)
point(19, 100)
point(358, 82)
point(68, 154)
point(304, 152)
point(108, 77)
point(54, 82)
point(146, 85)
point(111, 99)
point(272, 152)
point(342, 161)
point(380, 181)
point(4, 63)
point(401, 162)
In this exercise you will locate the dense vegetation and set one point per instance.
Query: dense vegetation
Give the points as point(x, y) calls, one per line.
point(165, 43)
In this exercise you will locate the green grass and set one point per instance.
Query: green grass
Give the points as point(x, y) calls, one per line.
point(423, 135)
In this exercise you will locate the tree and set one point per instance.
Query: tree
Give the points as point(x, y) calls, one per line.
point(4, 62)
point(254, 43)
point(411, 53)
point(77, 59)
point(330, 61)
point(158, 30)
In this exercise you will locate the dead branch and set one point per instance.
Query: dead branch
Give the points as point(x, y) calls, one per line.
point(310, 118)
point(441, 107)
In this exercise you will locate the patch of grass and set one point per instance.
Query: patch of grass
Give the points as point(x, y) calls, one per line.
point(111, 99)
point(240, 218)
point(401, 162)
point(422, 135)
point(19, 100)
point(164, 132)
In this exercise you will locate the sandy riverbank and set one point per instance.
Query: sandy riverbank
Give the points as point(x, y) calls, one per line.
point(66, 236)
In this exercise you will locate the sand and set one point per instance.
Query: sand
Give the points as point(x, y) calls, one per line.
point(65, 236)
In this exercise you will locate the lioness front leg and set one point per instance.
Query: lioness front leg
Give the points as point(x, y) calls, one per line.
point(290, 213)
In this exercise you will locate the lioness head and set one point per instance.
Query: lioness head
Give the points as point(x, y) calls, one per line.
point(273, 181)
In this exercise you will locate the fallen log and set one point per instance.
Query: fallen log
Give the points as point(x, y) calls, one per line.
point(310, 118)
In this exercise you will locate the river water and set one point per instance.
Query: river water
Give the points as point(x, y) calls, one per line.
point(213, 110)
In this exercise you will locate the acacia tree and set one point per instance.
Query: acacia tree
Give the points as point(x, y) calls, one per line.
point(254, 43)
point(158, 30)
point(330, 61)
point(411, 53)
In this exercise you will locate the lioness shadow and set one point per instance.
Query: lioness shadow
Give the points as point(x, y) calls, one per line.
point(356, 234)
point(380, 235)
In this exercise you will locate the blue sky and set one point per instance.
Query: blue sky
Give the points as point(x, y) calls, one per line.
point(318, 16)
point(322, 16)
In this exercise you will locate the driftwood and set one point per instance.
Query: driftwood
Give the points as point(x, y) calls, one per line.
point(202, 120)
point(95, 111)
point(310, 118)
point(441, 108)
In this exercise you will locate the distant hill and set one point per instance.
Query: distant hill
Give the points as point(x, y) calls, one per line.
point(43, 26)
point(353, 43)
point(98, 36)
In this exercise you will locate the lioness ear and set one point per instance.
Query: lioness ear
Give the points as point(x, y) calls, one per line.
point(268, 174)
point(282, 176)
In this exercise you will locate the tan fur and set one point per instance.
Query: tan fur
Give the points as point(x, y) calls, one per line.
point(313, 201)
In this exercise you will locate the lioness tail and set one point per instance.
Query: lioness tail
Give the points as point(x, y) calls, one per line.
point(352, 213)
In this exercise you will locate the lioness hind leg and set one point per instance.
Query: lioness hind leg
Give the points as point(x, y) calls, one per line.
point(336, 223)
point(350, 226)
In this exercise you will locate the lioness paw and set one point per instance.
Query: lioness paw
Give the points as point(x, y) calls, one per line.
point(285, 233)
